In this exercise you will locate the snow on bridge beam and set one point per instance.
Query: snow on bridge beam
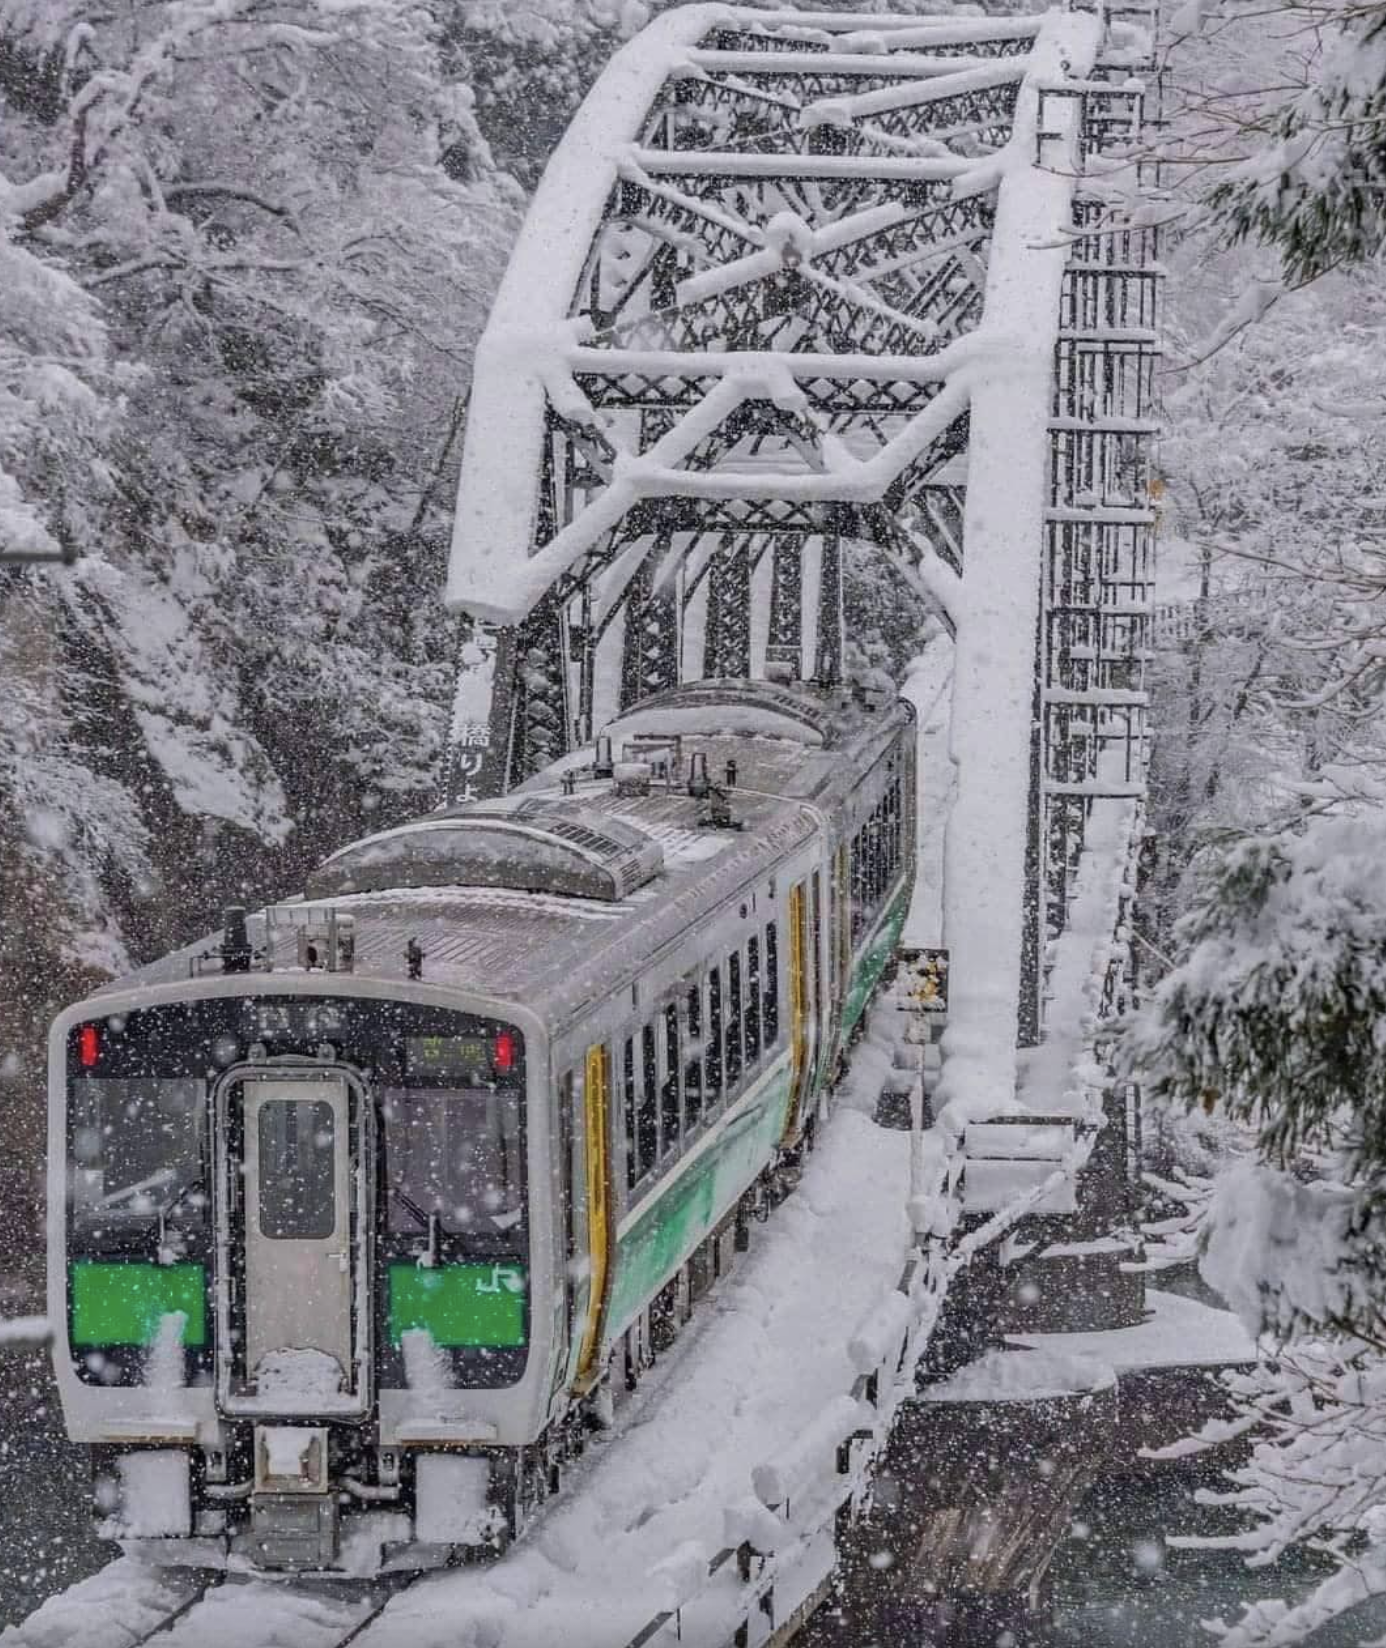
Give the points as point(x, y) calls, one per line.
point(988, 885)
point(783, 273)
point(523, 369)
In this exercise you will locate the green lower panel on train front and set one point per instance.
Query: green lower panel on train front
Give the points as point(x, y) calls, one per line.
point(123, 1303)
point(475, 1305)
point(677, 1219)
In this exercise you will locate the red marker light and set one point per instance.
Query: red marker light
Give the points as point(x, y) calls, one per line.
point(88, 1045)
point(504, 1053)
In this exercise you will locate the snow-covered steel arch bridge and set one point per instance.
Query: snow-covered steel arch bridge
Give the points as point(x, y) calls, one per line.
point(799, 282)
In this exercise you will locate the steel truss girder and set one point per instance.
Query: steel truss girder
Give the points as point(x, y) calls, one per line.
point(733, 38)
point(681, 269)
point(823, 192)
point(652, 633)
point(942, 223)
point(776, 100)
point(811, 314)
point(853, 398)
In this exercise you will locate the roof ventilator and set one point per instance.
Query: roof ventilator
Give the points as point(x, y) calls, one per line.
point(662, 753)
point(716, 813)
point(236, 953)
point(537, 844)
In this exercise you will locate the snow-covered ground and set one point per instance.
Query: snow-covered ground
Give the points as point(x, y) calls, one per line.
point(112, 1609)
point(1179, 1333)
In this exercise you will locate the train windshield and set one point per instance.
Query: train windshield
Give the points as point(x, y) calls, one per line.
point(444, 1156)
point(450, 1088)
point(454, 1155)
point(137, 1149)
point(454, 1152)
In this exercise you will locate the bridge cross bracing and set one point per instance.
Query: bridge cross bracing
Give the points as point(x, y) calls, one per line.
point(798, 286)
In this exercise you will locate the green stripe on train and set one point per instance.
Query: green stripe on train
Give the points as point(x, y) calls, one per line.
point(123, 1303)
point(874, 961)
point(677, 1219)
point(685, 1210)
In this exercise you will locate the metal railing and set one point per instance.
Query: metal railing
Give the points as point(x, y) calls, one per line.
point(781, 1541)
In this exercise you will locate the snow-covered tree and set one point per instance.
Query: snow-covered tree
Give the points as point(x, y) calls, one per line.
point(1312, 184)
point(245, 249)
point(1274, 1020)
point(1277, 126)
point(56, 401)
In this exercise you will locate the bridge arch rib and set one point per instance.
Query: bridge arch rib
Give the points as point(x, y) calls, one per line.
point(795, 279)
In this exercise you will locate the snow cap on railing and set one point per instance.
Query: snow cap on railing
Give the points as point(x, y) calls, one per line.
point(682, 1574)
point(778, 1480)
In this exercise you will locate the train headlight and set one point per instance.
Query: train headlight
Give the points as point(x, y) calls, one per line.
point(324, 1020)
point(270, 1019)
point(225, 1050)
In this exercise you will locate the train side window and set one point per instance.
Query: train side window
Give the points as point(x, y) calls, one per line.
point(868, 869)
point(752, 999)
point(733, 1019)
point(647, 1126)
point(897, 825)
point(712, 1063)
point(669, 1092)
point(873, 860)
point(634, 1166)
point(878, 849)
point(693, 1055)
point(771, 1002)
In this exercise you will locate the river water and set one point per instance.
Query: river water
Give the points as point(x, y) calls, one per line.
point(1117, 1585)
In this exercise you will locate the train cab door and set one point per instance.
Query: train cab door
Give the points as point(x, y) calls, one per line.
point(297, 1333)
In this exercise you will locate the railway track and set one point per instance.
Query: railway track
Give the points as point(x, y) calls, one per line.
point(254, 1613)
point(127, 1605)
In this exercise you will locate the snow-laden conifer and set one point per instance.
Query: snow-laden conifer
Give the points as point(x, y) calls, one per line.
point(1276, 1019)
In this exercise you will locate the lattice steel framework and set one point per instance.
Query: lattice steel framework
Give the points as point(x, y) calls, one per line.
point(752, 363)
point(1098, 568)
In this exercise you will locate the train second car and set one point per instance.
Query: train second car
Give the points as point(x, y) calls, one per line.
point(365, 1210)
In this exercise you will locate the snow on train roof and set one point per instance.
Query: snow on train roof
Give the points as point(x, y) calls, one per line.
point(530, 843)
point(534, 944)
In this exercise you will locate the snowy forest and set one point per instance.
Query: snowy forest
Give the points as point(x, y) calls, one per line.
point(246, 249)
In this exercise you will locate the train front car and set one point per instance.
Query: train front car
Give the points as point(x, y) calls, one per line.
point(290, 1240)
point(365, 1212)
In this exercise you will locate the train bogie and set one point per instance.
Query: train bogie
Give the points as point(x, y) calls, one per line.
point(363, 1215)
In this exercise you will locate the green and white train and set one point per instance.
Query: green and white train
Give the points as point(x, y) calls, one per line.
point(365, 1210)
